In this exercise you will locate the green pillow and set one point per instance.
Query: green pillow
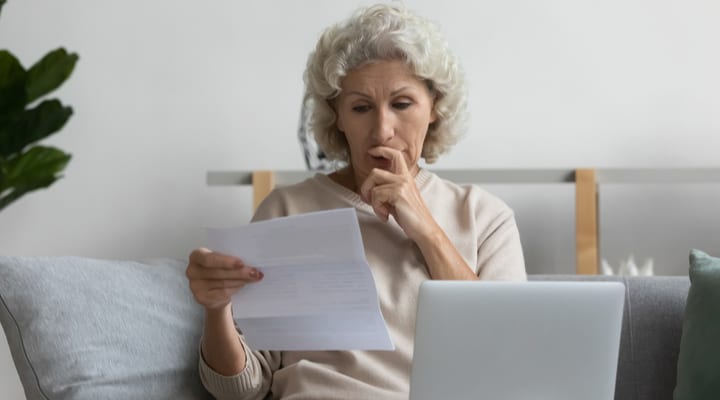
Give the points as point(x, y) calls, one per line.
point(698, 369)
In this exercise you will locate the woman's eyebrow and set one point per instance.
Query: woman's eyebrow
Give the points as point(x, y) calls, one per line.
point(361, 94)
point(393, 93)
point(396, 91)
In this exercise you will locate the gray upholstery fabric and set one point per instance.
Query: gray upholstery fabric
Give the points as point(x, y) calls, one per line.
point(80, 328)
point(650, 341)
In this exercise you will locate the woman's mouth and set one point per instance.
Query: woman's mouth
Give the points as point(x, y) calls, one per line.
point(381, 162)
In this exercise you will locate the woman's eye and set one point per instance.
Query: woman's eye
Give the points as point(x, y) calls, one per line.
point(402, 105)
point(361, 109)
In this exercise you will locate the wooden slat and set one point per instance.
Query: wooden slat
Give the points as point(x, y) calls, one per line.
point(586, 232)
point(509, 176)
point(602, 176)
point(658, 175)
point(263, 183)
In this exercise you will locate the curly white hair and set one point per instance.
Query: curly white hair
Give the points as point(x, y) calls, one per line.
point(385, 32)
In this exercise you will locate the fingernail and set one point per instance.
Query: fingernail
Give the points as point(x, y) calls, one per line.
point(254, 273)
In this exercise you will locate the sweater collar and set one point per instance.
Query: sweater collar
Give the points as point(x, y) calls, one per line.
point(421, 180)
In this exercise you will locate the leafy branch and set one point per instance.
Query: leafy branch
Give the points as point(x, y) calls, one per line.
point(25, 167)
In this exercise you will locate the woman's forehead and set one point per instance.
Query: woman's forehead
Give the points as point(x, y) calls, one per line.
point(392, 76)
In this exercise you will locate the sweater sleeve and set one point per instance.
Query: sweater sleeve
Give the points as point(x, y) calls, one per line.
point(500, 255)
point(252, 383)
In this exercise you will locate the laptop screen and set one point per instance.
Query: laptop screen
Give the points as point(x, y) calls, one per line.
point(517, 340)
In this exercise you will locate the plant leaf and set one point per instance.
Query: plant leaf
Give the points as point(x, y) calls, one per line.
point(16, 193)
point(35, 165)
point(49, 73)
point(2, 3)
point(12, 83)
point(20, 130)
point(35, 169)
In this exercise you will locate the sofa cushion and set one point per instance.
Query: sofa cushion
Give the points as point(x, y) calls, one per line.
point(651, 329)
point(698, 369)
point(81, 328)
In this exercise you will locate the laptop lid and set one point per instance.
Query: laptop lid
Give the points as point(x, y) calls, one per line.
point(517, 340)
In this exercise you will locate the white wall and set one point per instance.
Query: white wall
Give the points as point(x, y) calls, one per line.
point(166, 90)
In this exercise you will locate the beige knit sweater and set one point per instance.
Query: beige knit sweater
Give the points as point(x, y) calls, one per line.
point(480, 225)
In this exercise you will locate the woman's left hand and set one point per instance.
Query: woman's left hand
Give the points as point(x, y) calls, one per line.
point(393, 192)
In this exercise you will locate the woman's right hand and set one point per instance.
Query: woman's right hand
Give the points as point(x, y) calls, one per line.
point(215, 277)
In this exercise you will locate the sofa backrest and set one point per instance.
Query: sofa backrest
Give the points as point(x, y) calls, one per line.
point(651, 331)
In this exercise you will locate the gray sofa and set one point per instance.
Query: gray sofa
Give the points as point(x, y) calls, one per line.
point(651, 331)
point(135, 327)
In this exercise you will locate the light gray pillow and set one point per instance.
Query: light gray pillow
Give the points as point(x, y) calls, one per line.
point(81, 328)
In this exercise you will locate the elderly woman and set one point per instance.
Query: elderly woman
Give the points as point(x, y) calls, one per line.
point(386, 92)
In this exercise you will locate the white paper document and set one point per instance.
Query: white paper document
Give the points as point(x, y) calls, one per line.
point(317, 293)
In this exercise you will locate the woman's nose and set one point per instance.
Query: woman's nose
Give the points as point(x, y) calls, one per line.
point(384, 126)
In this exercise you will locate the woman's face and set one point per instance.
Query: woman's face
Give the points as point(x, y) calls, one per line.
point(384, 104)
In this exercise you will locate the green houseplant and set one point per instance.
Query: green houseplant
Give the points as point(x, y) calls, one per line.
point(25, 118)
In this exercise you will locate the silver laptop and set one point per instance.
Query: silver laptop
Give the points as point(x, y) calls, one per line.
point(517, 341)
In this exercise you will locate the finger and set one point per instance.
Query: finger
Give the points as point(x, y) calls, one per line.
point(398, 166)
point(226, 284)
point(383, 200)
point(365, 189)
point(200, 287)
point(382, 211)
point(207, 292)
point(377, 177)
point(197, 271)
point(212, 259)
